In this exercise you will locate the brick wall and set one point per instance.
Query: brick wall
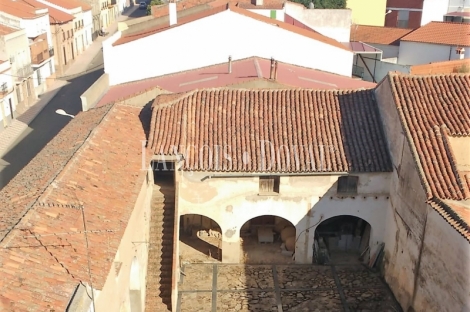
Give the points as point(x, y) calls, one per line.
point(441, 67)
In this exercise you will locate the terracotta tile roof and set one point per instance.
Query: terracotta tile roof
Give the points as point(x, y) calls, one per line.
point(20, 9)
point(55, 16)
point(441, 33)
point(244, 71)
point(42, 269)
point(457, 214)
point(378, 34)
point(5, 30)
point(433, 108)
point(71, 4)
point(187, 19)
point(310, 131)
point(162, 10)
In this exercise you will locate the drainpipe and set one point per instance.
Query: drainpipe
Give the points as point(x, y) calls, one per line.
point(254, 175)
point(272, 69)
point(275, 70)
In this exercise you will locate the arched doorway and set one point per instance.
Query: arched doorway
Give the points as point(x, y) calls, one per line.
point(200, 239)
point(342, 239)
point(267, 240)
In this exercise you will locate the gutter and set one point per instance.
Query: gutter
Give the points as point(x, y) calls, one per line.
point(253, 175)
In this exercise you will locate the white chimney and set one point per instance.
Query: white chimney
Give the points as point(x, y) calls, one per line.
point(259, 2)
point(172, 13)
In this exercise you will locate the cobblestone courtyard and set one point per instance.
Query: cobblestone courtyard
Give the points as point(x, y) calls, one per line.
point(282, 288)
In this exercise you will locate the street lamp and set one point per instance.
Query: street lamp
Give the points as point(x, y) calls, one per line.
point(63, 113)
point(388, 12)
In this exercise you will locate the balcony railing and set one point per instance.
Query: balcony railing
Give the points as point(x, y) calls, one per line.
point(358, 71)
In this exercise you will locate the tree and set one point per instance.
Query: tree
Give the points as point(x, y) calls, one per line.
point(153, 2)
point(324, 4)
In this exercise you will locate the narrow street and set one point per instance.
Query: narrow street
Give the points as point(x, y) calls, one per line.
point(47, 123)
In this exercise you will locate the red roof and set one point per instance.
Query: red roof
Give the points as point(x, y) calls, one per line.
point(190, 18)
point(55, 16)
point(5, 30)
point(44, 256)
point(307, 130)
point(243, 71)
point(441, 33)
point(433, 108)
point(71, 4)
point(378, 34)
point(21, 9)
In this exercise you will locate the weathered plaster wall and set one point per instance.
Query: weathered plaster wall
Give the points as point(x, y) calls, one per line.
point(443, 283)
point(302, 200)
point(123, 290)
point(407, 211)
point(426, 277)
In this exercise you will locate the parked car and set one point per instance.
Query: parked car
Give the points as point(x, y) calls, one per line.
point(142, 5)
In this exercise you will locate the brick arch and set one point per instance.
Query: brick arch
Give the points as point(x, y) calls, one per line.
point(281, 214)
point(197, 213)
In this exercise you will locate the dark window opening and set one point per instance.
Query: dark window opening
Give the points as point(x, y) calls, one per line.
point(347, 185)
point(269, 184)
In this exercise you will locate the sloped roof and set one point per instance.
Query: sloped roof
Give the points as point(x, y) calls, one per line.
point(21, 9)
point(441, 33)
point(193, 17)
point(70, 4)
point(245, 71)
point(308, 130)
point(55, 16)
point(44, 255)
point(5, 30)
point(434, 109)
point(378, 34)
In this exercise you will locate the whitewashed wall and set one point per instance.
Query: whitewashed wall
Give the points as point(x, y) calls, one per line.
point(267, 13)
point(433, 10)
point(193, 45)
point(379, 69)
point(303, 201)
point(415, 53)
point(38, 26)
point(388, 51)
point(335, 24)
point(88, 27)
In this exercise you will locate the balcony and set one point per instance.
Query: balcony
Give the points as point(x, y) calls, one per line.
point(5, 89)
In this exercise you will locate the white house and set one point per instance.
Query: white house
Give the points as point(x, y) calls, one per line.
point(238, 33)
point(83, 21)
point(435, 42)
point(7, 87)
point(33, 17)
point(331, 23)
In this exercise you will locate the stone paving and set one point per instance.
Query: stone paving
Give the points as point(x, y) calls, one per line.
point(282, 288)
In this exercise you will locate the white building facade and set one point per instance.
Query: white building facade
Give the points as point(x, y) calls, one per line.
point(238, 35)
point(7, 88)
point(416, 53)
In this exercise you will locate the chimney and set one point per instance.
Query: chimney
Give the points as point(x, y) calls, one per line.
point(271, 72)
point(230, 64)
point(172, 13)
point(259, 2)
point(275, 71)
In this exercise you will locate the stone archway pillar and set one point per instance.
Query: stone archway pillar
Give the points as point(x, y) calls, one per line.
point(231, 246)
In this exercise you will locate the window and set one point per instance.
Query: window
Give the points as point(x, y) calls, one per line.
point(273, 14)
point(347, 185)
point(403, 17)
point(28, 87)
point(39, 77)
point(268, 185)
point(63, 35)
point(19, 93)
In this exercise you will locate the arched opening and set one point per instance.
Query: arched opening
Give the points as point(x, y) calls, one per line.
point(267, 240)
point(342, 239)
point(200, 239)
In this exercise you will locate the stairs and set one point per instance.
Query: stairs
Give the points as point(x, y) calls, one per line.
point(160, 259)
